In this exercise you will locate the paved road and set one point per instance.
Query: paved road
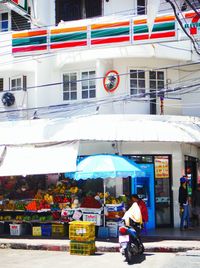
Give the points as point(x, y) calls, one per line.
point(11, 258)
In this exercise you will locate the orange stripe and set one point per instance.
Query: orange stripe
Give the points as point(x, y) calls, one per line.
point(29, 34)
point(160, 19)
point(108, 25)
point(65, 30)
point(190, 15)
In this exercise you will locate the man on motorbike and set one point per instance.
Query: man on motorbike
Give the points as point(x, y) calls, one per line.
point(133, 224)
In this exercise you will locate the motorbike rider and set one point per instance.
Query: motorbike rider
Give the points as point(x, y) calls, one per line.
point(133, 218)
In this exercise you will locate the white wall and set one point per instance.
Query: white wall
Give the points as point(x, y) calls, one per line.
point(112, 7)
point(44, 12)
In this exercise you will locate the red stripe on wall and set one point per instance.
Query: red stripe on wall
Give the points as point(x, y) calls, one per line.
point(69, 44)
point(153, 36)
point(110, 40)
point(28, 49)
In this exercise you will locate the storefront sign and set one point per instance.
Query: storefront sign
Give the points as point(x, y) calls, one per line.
point(161, 167)
point(192, 23)
point(111, 81)
point(19, 6)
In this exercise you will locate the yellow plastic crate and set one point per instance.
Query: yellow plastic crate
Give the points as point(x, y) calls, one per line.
point(58, 230)
point(82, 231)
point(82, 248)
point(36, 231)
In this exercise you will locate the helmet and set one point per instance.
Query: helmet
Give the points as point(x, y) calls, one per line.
point(183, 179)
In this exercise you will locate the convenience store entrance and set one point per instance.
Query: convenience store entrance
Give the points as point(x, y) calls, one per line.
point(144, 188)
point(155, 188)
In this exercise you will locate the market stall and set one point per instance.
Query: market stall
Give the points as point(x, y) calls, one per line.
point(43, 205)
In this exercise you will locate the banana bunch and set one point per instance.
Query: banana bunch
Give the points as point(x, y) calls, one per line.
point(74, 190)
point(48, 198)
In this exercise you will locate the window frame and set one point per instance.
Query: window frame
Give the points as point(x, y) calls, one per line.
point(1, 84)
point(79, 10)
point(89, 83)
point(139, 79)
point(70, 91)
point(147, 79)
point(23, 86)
point(2, 29)
point(140, 9)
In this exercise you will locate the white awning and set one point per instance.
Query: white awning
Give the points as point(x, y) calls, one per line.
point(27, 160)
point(118, 127)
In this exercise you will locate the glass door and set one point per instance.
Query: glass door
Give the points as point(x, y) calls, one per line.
point(163, 191)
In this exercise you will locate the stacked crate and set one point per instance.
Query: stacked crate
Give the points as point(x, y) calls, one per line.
point(58, 230)
point(82, 238)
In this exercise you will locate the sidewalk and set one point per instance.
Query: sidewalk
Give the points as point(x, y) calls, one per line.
point(163, 240)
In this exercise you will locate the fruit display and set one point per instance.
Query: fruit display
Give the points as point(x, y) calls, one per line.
point(20, 205)
point(32, 206)
point(60, 202)
point(113, 200)
point(5, 218)
point(48, 198)
point(9, 205)
point(90, 202)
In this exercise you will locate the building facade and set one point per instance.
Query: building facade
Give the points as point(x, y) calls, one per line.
point(100, 57)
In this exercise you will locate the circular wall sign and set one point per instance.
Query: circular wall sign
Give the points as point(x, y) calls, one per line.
point(111, 81)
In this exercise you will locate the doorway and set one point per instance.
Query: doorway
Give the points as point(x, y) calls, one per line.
point(144, 188)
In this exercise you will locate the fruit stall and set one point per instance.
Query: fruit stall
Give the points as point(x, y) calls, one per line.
point(46, 210)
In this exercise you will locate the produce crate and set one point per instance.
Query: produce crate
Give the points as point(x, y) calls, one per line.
point(46, 229)
point(82, 231)
point(112, 228)
point(18, 229)
point(82, 248)
point(58, 230)
point(36, 231)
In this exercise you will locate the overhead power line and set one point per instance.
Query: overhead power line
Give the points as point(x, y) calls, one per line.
point(182, 27)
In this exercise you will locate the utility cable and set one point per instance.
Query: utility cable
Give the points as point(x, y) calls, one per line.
point(182, 27)
point(193, 8)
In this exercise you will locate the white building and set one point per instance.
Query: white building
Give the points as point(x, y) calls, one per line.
point(56, 60)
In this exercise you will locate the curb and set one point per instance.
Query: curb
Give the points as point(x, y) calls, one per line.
point(99, 248)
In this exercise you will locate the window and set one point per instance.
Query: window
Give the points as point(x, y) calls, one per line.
point(141, 7)
point(137, 82)
point(1, 84)
point(70, 86)
point(88, 85)
point(18, 83)
point(4, 22)
point(156, 80)
point(19, 23)
point(185, 6)
point(68, 10)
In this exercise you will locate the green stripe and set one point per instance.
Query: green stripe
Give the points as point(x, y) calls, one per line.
point(156, 28)
point(68, 37)
point(38, 40)
point(110, 32)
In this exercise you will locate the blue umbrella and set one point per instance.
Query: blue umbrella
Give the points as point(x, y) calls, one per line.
point(106, 166)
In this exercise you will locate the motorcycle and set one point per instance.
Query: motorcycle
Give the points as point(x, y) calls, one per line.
point(130, 242)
